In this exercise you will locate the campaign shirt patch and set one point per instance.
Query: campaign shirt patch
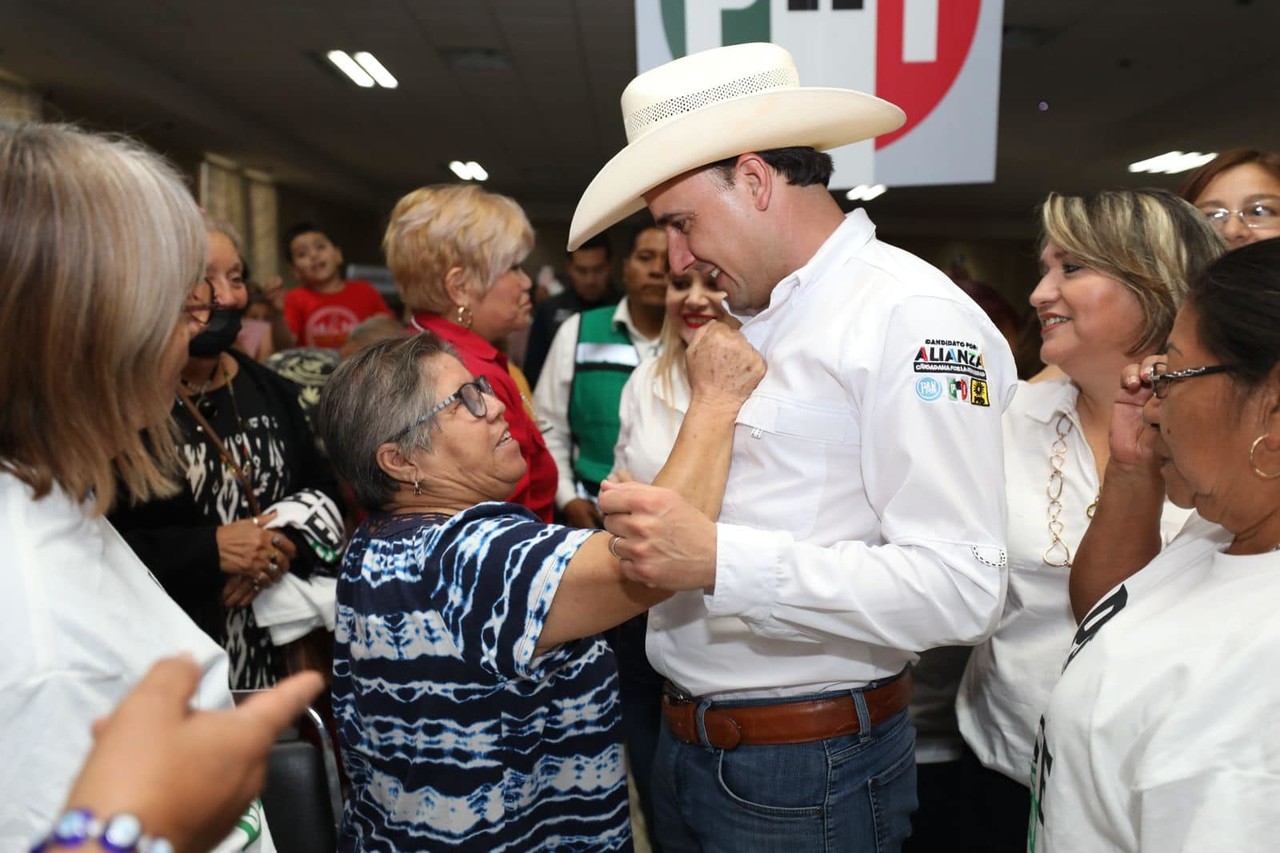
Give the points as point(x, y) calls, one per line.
point(957, 358)
point(928, 388)
point(957, 389)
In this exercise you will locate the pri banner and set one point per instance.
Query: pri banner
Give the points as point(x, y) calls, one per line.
point(937, 59)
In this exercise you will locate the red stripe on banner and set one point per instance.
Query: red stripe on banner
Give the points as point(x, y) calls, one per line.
point(918, 87)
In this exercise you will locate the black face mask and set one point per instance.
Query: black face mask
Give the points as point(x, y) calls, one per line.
point(217, 336)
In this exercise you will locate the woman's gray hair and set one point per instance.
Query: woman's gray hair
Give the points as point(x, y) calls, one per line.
point(100, 245)
point(377, 395)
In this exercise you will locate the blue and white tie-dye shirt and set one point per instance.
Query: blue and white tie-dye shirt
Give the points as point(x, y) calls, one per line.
point(454, 734)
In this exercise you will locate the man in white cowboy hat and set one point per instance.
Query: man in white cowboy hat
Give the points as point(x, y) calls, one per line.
point(863, 519)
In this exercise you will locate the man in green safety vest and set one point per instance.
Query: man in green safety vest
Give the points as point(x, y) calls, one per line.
point(590, 359)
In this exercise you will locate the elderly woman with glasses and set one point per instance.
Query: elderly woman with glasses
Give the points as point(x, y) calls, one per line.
point(476, 704)
point(455, 251)
point(1160, 734)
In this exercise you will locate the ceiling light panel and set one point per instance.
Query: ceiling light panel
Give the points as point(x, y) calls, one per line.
point(376, 70)
point(468, 171)
point(348, 66)
point(866, 192)
point(1172, 162)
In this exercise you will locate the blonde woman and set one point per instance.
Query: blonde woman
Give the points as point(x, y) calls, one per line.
point(656, 395)
point(1115, 267)
point(101, 262)
point(455, 252)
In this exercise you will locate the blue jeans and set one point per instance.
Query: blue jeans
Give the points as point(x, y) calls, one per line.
point(847, 794)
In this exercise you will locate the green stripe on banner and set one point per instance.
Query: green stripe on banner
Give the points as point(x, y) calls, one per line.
point(744, 26)
point(673, 24)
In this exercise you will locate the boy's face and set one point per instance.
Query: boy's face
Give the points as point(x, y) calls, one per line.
point(313, 259)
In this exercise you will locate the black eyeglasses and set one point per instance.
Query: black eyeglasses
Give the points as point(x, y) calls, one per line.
point(1161, 379)
point(470, 393)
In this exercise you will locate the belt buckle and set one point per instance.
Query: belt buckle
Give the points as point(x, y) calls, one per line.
point(731, 730)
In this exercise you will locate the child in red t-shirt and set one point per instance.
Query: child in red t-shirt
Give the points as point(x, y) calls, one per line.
point(323, 311)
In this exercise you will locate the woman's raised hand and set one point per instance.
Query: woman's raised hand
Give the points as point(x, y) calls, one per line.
point(723, 366)
point(1130, 435)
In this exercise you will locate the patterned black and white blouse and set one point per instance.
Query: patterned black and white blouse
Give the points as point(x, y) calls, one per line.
point(175, 536)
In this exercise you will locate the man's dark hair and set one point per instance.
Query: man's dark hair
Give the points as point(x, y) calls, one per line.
point(600, 241)
point(297, 231)
point(635, 238)
point(802, 167)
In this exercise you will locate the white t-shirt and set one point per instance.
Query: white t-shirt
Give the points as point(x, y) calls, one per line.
point(81, 621)
point(1007, 683)
point(649, 415)
point(1161, 733)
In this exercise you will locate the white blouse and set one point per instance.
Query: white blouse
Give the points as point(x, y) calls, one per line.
point(650, 416)
point(1007, 683)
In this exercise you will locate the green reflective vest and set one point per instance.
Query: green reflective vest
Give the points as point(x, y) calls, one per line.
point(602, 361)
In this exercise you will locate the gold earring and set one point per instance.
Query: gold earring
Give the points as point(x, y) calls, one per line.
point(464, 317)
point(1254, 462)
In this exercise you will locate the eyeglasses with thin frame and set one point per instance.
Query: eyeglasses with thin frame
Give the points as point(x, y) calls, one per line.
point(1162, 379)
point(1262, 213)
point(200, 311)
point(471, 394)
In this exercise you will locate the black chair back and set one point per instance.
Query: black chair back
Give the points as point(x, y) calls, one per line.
point(303, 795)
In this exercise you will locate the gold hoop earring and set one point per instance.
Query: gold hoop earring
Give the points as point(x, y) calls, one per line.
point(1254, 462)
point(464, 317)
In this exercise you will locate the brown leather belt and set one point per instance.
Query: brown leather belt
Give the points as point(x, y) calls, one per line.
point(728, 726)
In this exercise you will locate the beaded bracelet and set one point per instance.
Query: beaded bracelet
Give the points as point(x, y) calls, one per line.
point(121, 833)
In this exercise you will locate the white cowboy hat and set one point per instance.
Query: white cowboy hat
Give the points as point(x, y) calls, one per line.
point(713, 105)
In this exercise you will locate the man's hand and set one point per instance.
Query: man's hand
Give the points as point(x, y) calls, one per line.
point(581, 512)
point(187, 775)
point(664, 541)
point(723, 366)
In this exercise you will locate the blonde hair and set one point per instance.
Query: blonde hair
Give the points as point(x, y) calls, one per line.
point(1150, 241)
point(437, 228)
point(671, 360)
point(100, 244)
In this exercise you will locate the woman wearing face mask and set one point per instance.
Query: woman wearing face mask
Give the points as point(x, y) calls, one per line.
point(258, 503)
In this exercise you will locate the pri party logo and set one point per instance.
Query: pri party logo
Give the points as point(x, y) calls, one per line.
point(937, 59)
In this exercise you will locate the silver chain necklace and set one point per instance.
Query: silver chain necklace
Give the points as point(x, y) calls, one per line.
point(1058, 554)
